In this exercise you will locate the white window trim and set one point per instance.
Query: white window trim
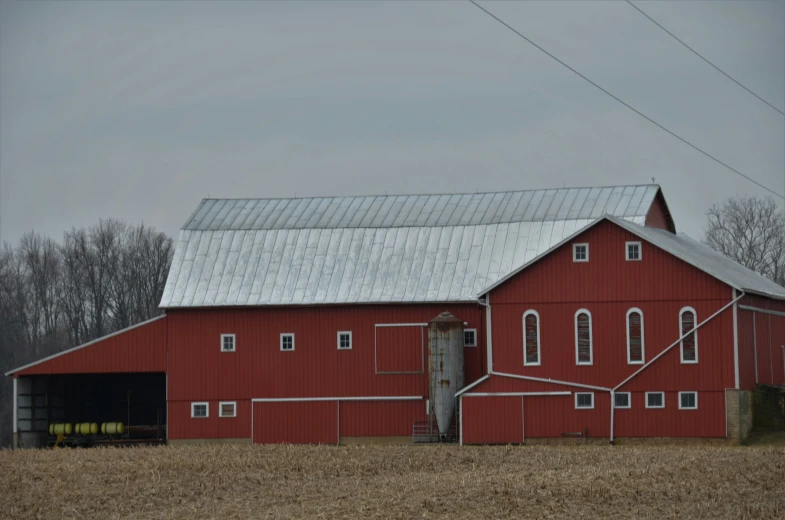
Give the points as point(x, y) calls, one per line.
point(539, 359)
point(475, 337)
point(591, 338)
point(234, 408)
point(199, 403)
point(696, 400)
point(627, 251)
point(234, 342)
point(655, 407)
point(629, 400)
point(695, 334)
point(643, 336)
point(281, 342)
point(584, 407)
point(338, 336)
point(575, 246)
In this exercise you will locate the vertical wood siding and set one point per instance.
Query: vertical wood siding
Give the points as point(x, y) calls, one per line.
point(380, 418)
point(182, 426)
point(764, 340)
point(492, 420)
point(657, 217)
point(314, 422)
point(400, 349)
point(141, 349)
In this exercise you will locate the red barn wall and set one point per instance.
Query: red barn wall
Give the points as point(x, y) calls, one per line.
point(762, 341)
point(199, 371)
point(657, 216)
point(139, 349)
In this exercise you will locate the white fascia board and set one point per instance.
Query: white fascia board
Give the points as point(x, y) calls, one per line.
point(309, 399)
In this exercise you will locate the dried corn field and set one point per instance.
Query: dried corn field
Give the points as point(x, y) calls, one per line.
point(394, 482)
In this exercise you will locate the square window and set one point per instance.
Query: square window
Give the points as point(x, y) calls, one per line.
point(633, 251)
point(287, 341)
point(688, 400)
point(200, 410)
point(621, 400)
point(655, 400)
point(345, 340)
point(227, 343)
point(580, 252)
point(584, 400)
point(227, 409)
point(469, 337)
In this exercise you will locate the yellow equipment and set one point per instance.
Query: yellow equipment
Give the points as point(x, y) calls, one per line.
point(60, 429)
point(87, 428)
point(112, 428)
point(60, 438)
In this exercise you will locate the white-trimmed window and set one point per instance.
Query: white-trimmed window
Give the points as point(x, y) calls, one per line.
point(688, 319)
point(584, 400)
point(634, 251)
point(580, 252)
point(688, 400)
point(583, 339)
point(227, 409)
point(344, 340)
point(622, 400)
point(655, 399)
point(469, 337)
point(636, 354)
point(228, 343)
point(200, 410)
point(287, 341)
point(531, 338)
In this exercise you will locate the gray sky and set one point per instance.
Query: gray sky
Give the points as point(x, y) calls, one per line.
point(138, 110)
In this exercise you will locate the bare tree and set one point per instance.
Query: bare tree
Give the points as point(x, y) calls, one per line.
point(751, 231)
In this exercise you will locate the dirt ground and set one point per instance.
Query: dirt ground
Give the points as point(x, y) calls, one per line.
point(194, 482)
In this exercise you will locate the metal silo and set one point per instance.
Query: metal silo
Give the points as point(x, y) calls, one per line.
point(445, 367)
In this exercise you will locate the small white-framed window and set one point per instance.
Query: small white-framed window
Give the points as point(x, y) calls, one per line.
point(531, 338)
point(584, 400)
point(636, 352)
point(655, 399)
point(344, 340)
point(634, 251)
point(580, 252)
point(287, 341)
point(688, 319)
point(469, 337)
point(688, 400)
point(227, 409)
point(583, 338)
point(622, 400)
point(228, 343)
point(200, 410)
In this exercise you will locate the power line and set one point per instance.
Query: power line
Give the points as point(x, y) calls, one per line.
point(696, 53)
point(650, 120)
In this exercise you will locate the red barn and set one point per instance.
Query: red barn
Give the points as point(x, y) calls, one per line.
point(305, 321)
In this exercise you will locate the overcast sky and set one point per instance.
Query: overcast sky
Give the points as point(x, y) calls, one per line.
point(138, 110)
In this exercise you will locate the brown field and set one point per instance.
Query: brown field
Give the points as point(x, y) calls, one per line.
point(194, 482)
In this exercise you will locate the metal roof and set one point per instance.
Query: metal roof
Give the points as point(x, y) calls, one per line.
point(398, 248)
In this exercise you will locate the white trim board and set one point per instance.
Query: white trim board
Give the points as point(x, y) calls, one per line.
point(514, 394)
point(308, 399)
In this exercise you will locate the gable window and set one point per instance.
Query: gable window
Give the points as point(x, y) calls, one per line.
point(227, 343)
point(345, 340)
point(635, 347)
point(633, 251)
point(531, 338)
point(655, 399)
point(227, 409)
point(584, 400)
point(287, 341)
point(200, 410)
point(469, 337)
point(689, 344)
point(621, 400)
point(580, 252)
point(688, 400)
point(583, 340)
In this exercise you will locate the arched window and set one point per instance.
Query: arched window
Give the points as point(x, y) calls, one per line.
point(635, 347)
point(583, 340)
point(688, 319)
point(531, 338)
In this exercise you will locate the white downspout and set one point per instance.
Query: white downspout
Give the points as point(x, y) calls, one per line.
point(13, 415)
point(613, 409)
point(488, 331)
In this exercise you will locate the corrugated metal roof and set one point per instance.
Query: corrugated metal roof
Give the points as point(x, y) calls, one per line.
point(413, 248)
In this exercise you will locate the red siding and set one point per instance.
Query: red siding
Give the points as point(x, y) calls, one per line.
point(707, 421)
point(492, 420)
point(182, 426)
point(304, 422)
point(140, 349)
point(400, 349)
point(763, 341)
point(659, 216)
point(380, 419)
